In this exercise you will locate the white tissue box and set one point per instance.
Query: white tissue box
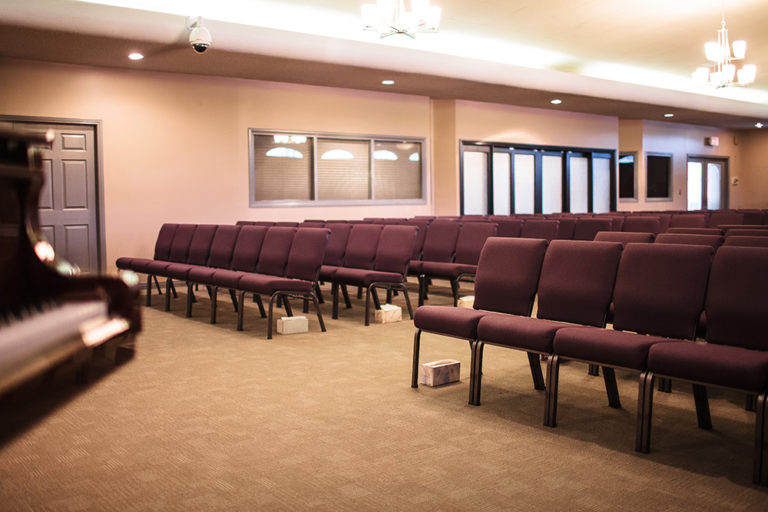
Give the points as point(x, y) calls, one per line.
point(292, 324)
point(388, 313)
point(440, 372)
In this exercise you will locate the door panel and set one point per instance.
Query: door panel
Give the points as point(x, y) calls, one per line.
point(475, 184)
point(579, 184)
point(525, 182)
point(551, 184)
point(601, 185)
point(705, 178)
point(501, 183)
point(714, 179)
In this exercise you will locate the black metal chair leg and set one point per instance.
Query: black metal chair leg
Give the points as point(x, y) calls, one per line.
point(760, 464)
point(415, 370)
point(368, 304)
point(407, 301)
point(594, 370)
point(305, 306)
point(550, 403)
point(702, 406)
point(665, 385)
point(190, 295)
point(319, 313)
point(149, 291)
point(389, 295)
point(476, 372)
point(750, 402)
point(269, 314)
point(168, 286)
point(335, 299)
point(455, 291)
point(214, 302)
point(257, 300)
point(157, 284)
point(287, 305)
point(609, 376)
point(345, 294)
point(173, 289)
point(233, 296)
point(644, 412)
point(534, 361)
point(422, 286)
point(319, 293)
point(241, 311)
point(359, 292)
point(375, 297)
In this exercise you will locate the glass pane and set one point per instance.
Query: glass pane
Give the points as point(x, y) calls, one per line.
point(694, 185)
point(601, 185)
point(397, 170)
point(343, 169)
point(524, 183)
point(714, 179)
point(282, 167)
point(626, 177)
point(657, 173)
point(579, 184)
point(501, 177)
point(475, 185)
point(551, 184)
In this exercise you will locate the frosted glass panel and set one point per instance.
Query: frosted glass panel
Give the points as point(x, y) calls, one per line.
point(694, 185)
point(501, 203)
point(551, 184)
point(714, 178)
point(579, 184)
point(601, 185)
point(524, 183)
point(475, 184)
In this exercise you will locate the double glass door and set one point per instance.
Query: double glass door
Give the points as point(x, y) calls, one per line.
point(706, 183)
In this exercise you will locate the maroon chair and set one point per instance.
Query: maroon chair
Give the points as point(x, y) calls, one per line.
point(713, 241)
point(177, 253)
point(393, 252)
point(696, 231)
point(545, 229)
point(334, 256)
point(658, 296)
point(418, 245)
point(506, 281)
point(624, 237)
point(472, 236)
point(587, 228)
point(642, 224)
point(756, 217)
point(509, 227)
point(746, 241)
point(302, 251)
point(720, 217)
point(688, 220)
point(575, 287)
point(566, 228)
point(617, 220)
point(746, 232)
point(312, 224)
point(219, 257)
point(360, 253)
point(288, 224)
point(266, 223)
point(245, 258)
point(199, 247)
point(439, 246)
point(736, 353)
point(162, 251)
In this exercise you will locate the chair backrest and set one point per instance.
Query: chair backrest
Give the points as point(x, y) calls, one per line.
point(440, 241)
point(306, 255)
point(337, 243)
point(576, 282)
point(245, 257)
point(566, 228)
point(753, 216)
point(180, 245)
point(746, 241)
point(312, 224)
point(275, 249)
point(641, 224)
point(718, 218)
point(623, 237)
point(617, 220)
point(395, 248)
point(713, 241)
point(509, 227)
point(222, 247)
point(472, 237)
point(696, 231)
point(508, 274)
point(660, 288)
point(290, 224)
point(746, 232)
point(164, 240)
point(545, 229)
point(266, 223)
point(421, 235)
point(688, 220)
point(737, 309)
point(361, 245)
point(200, 245)
point(587, 228)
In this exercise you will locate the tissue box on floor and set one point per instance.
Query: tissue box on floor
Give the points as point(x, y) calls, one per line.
point(468, 301)
point(439, 372)
point(388, 313)
point(292, 324)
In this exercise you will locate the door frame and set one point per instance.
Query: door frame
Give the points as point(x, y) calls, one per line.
point(101, 249)
point(725, 180)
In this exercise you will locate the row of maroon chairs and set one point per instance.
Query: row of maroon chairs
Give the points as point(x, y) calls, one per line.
point(659, 292)
point(280, 262)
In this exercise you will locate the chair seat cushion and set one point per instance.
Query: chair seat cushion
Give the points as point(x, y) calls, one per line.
point(156, 267)
point(458, 322)
point(227, 278)
point(327, 272)
point(414, 267)
point(604, 346)
point(125, 263)
point(364, 277)
point(708, 363)
point(519, 331)
point(447, 270)
point(200, 274)
point(178, 271)
point(135, 264)
point(267, 284)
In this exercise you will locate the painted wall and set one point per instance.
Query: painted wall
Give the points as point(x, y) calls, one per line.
point(752, 188)
point(175, 147)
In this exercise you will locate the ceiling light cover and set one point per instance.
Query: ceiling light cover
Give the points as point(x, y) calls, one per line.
point(721, 54)
point(389, 17)
point(135, 56)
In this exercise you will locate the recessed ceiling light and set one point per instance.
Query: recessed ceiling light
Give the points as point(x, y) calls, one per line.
point(556, 101)
point(387, 82)
point(758, 125)
point(669, 115)
point(135, 56)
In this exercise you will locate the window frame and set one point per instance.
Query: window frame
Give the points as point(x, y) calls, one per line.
point(670, 173)
point(314, 136)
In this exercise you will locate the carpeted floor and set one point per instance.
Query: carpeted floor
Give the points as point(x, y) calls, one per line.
point(208, 418)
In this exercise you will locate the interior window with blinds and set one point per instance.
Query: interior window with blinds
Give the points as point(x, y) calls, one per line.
point(313, 168)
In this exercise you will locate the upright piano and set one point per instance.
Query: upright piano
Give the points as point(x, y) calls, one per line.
point(49, 316)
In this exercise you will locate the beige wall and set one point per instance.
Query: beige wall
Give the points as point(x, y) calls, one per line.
point(446, 157)
point(752, 189)
point(175, 147)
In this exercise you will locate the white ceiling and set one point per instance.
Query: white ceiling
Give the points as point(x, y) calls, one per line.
point(618, 57)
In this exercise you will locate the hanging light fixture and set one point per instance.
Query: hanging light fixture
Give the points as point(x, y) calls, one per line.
point(388, 17)
point(721, 54)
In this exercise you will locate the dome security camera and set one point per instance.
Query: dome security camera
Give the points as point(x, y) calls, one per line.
point(199, 37)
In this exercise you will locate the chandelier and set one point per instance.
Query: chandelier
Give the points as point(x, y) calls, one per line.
point(388, 17)
point(721, 55)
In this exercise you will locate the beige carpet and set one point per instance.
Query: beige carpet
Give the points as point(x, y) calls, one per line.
point(208, 418)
